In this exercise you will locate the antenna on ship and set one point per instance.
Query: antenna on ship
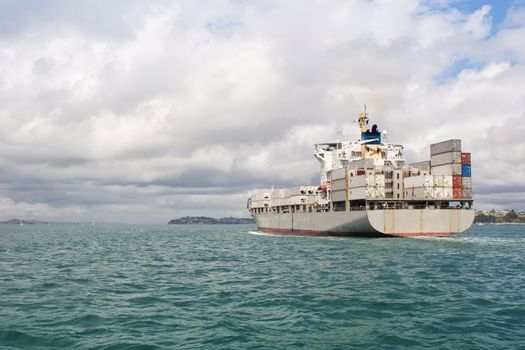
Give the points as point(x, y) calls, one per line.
point(363, 120)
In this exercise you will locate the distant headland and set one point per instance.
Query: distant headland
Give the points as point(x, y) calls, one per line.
point(499, 217)
point(204, 220)
point(22, 222)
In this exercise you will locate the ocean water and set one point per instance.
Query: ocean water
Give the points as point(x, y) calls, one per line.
point(224, 287)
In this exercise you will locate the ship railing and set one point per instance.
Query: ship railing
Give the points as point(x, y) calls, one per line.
point(360, 208)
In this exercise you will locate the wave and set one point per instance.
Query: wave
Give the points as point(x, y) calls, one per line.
point(473, 240)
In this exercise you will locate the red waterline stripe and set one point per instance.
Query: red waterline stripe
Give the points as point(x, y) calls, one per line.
point(282, 231)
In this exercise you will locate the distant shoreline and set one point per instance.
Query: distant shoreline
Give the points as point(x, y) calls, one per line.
point(499, 223)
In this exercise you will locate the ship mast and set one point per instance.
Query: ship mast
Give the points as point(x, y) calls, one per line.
point(363, 120)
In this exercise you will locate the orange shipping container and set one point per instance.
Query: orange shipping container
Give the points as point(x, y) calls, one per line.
point(457, 193)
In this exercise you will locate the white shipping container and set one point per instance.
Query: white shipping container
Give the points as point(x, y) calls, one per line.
point(467, 193)
point(445, 146)
point(338, 185)
point(425, 165)
point(359, 181)
point(338, 196)
point(418, 193)
point(367, 180)
point(358, 193)
point(445, 158)
point(446, 169)
point(442, 180)
point(442, 193)
point(338, 174)
point(466, 182)
point(361, 164)
point(418, 181)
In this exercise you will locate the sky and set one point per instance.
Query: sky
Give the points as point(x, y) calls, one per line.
point(140, 111)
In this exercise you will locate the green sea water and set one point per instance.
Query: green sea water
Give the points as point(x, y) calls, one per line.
point(224, 287)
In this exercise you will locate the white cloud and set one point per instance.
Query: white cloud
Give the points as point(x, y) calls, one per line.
point(480, 22)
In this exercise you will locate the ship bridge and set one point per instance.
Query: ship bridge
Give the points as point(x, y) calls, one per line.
point(372, 145)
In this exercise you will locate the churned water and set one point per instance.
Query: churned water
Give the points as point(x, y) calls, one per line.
point(221, 287)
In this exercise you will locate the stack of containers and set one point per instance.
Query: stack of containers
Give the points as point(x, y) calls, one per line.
point(446, 160)
point(442, 187)
point(419, 187)
point(466, 173)
point(371, 185)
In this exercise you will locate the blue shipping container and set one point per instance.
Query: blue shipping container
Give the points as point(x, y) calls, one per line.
point(466, 170)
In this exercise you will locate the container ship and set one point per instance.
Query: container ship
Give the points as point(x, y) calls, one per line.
point(367, 189)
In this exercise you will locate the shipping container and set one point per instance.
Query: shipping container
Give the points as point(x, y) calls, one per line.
point(466, 170)
point(445, 158)
point(359, 181)
point(418, 193)
point(358, 193)
point(418, 181)
point(338, 185)
point(457, 192)
point(445, 146)
point(361, 164)
point(442, 193)
point(338, 196)
point(338, 174)
point(367, 180)
point(465, 158)
point(447, 193)
point(467, 193)
point(466, 182)
point(425, 165)
point(447, 169)
point(442, 180)
point(456, 181)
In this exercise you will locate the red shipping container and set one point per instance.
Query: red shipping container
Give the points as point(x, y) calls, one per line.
point(457, 193)
point(457, 181)
point(465, 158)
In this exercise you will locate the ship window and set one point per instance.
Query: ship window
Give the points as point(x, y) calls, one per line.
point(397, 176)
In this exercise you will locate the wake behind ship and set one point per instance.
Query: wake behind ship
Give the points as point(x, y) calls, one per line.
point(367, 190)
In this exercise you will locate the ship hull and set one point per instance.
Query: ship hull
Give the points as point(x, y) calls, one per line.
point(368, 223)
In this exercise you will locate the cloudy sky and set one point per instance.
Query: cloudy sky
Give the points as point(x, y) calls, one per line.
point(140, 111)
